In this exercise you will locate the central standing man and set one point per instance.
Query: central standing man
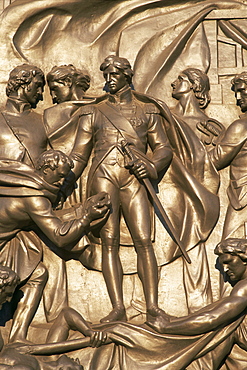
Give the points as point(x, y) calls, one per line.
point(123, 118)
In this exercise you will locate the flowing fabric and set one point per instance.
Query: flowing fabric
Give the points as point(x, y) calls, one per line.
point(138, 348)
point(20, 180)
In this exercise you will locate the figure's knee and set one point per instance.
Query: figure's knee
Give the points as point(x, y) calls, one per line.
point(66, 311)
point(109, 243)
point(143, 243)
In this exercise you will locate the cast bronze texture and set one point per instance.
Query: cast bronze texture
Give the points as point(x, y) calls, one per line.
point(105, 100)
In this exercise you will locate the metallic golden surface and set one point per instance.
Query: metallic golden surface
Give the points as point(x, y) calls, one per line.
point(195, 147)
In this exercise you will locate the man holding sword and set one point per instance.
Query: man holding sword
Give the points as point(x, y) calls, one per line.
point(122, 124)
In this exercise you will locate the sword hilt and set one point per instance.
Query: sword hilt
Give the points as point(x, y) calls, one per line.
point(127, 150)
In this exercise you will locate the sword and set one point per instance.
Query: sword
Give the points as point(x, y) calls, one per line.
point(147, 183)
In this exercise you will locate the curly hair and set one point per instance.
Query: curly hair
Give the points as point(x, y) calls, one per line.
point(7, 278)
point(200, 85)
point(239, 77)
point(234, 246)
point(120, 63)
point(51, 158)
point(61, 73)
point(22, 75)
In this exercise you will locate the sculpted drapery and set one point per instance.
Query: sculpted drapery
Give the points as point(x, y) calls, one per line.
point(48, 33)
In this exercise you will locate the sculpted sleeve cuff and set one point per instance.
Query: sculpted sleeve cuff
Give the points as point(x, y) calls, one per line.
point(61, 233)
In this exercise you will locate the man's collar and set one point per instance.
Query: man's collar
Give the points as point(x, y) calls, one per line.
point(122, 96)
point(17, 105)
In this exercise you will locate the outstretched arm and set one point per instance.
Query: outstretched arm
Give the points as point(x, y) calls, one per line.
point(69, 319)
point(212, 316)
point(61, 233)
point(57, 340)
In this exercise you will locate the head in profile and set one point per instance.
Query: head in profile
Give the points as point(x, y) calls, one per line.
point(239, 86)
point(26, 82)
point(8, 283)
point(53, 166)
point(67, 82)
point(117, 73)
point(232, 254)
point(192, 80)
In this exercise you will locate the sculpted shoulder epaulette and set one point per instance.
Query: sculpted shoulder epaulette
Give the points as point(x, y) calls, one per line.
point(86, 110)
point(150, 108)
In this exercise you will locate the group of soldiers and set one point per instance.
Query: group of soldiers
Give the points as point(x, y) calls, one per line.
point(118, 128)
point(120, 117)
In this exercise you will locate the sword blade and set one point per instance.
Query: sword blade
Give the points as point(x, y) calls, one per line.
point(169, 227)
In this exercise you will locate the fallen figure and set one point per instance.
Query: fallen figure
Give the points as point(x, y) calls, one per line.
point(12, 356)
point(203, 339)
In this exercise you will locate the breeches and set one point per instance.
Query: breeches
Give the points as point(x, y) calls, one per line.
point(128, 196)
